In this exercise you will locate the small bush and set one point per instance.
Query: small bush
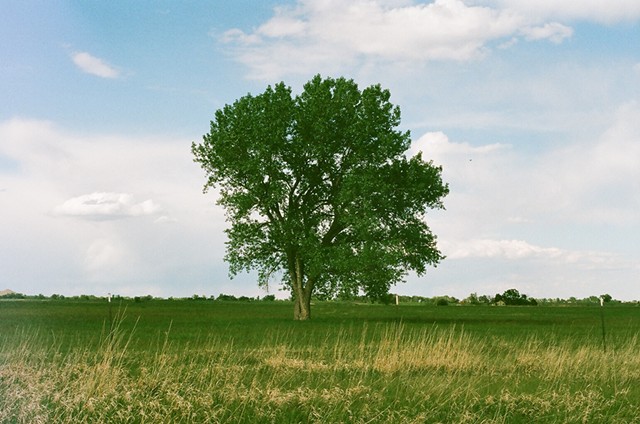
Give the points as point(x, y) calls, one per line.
point(441, 301)
point(226, 297)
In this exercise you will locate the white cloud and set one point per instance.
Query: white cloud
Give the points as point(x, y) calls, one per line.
point(80, 163)
point(94, 65)
point(469, 170)
point(98, 179)
point(509, 43)
point(504, 207)
point(496, 186)
point(102, 205)
point(334, 34)
point(596, 182)
point(436, 145)
point(553, 31)
point(609, 11)
point(164, 219)
point(331, 35)
point(104, 254)
point(520, 250)
point(485, 248)
point(282, 25)
point(561, 220)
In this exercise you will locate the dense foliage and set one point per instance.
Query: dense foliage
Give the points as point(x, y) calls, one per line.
point(318, 186)
point(513, 297)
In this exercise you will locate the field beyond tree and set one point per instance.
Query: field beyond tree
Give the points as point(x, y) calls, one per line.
point(164, 361)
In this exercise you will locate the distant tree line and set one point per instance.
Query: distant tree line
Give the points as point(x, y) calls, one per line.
point(508, 297)
point(511, 297)
point(137, 299)
point(231, 298)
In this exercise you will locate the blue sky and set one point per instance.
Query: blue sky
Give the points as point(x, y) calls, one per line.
point(531, 107)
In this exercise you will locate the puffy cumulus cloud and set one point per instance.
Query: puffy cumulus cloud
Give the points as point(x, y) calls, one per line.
point(445, 29)
point(438, 147)
point(106, 206)
point(94, 65)
point(281, 25)
point(331, 35)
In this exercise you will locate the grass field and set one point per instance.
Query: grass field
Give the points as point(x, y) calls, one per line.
point(205, 361)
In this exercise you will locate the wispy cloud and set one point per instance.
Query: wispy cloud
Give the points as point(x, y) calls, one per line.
point(521, 250)
point(106, 206)
point(94, 65)
point(105, 254)
point(593, 10)
point(553, 31)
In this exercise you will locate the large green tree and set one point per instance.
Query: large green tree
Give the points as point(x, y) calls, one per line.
point(318, 186)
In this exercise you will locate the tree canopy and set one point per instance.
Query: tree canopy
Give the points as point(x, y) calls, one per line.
point(514, 297)
point(319, 186)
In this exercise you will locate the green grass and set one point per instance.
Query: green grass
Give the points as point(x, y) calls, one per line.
point(203, 361)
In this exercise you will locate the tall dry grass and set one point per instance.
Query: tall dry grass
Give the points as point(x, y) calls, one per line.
point(381, 373)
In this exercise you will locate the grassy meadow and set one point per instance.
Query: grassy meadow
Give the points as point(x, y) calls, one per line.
point(186, 361)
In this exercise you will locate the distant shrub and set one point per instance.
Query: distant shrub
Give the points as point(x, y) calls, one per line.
point(386, 299)
point(139, 299)
point(226, 297)
point(13, 296)
point(513, 297)
point(197, 297)
point(269, 298)
point(441, 301)
point(472, 299)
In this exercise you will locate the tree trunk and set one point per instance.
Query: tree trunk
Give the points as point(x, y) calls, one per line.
point(302, 308)
point(301, 293)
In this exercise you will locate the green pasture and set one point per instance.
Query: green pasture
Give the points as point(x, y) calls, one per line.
point(210, 361)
